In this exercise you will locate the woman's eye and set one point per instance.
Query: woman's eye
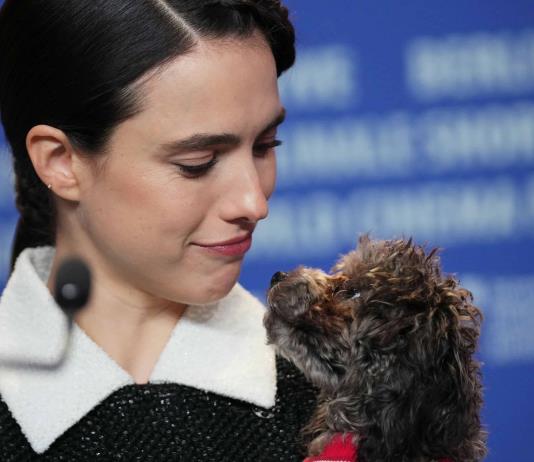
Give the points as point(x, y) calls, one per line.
point(194, 171)
point(261, 149)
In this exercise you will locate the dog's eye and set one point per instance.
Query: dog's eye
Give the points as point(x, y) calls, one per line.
point(355, 294)
point(351, 293)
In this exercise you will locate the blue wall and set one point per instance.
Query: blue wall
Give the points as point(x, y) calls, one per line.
point(412, 118)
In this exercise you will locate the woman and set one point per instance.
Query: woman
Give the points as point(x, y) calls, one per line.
point(143, 136)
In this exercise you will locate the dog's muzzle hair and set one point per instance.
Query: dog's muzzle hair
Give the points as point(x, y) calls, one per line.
point(390, 342)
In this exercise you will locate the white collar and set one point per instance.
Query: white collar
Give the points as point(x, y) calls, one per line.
point(219, 347)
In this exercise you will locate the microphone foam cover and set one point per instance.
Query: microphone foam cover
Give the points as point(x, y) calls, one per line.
point(73, 285)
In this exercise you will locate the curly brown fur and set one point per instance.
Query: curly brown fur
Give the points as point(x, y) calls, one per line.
point(390, 342)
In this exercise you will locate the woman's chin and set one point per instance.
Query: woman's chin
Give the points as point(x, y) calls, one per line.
point(215, 291)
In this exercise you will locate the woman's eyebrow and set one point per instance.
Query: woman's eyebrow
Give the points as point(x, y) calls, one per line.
point(278, 120)
point(199, 142)
point(204, 141)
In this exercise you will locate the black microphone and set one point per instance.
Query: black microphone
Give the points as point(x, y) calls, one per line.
point(73, 286)
point(71, 292)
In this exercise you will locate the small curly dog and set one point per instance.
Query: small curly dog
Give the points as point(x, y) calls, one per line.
point(389, 341)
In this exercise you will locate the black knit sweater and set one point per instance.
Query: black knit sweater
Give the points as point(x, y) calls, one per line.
point(171, 422)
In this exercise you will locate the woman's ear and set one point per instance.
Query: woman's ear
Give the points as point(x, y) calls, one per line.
point(55, 160)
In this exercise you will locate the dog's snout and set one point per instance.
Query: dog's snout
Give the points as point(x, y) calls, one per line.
point(277, 277)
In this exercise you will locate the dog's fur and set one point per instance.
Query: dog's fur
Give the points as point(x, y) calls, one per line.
point(389, 340)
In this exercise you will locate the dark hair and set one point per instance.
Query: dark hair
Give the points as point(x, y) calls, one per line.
point(73, 65)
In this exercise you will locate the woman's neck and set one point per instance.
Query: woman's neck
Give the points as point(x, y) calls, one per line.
point(130, 325)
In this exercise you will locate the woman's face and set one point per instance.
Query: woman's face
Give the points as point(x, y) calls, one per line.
point(194, 168)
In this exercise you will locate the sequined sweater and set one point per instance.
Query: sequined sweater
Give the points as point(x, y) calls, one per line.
point(171, 422)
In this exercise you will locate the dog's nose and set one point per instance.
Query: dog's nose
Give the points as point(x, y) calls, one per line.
point(277, 277)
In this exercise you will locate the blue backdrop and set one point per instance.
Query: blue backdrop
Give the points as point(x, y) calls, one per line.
point(411, 118)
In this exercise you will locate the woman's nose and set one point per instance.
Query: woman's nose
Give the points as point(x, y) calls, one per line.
point(246, 197)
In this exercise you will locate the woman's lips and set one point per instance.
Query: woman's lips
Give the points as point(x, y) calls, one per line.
point(231, 248)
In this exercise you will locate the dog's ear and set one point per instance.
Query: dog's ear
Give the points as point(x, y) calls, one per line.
point(457, 382)
point(416, 381)
point(414, 384)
